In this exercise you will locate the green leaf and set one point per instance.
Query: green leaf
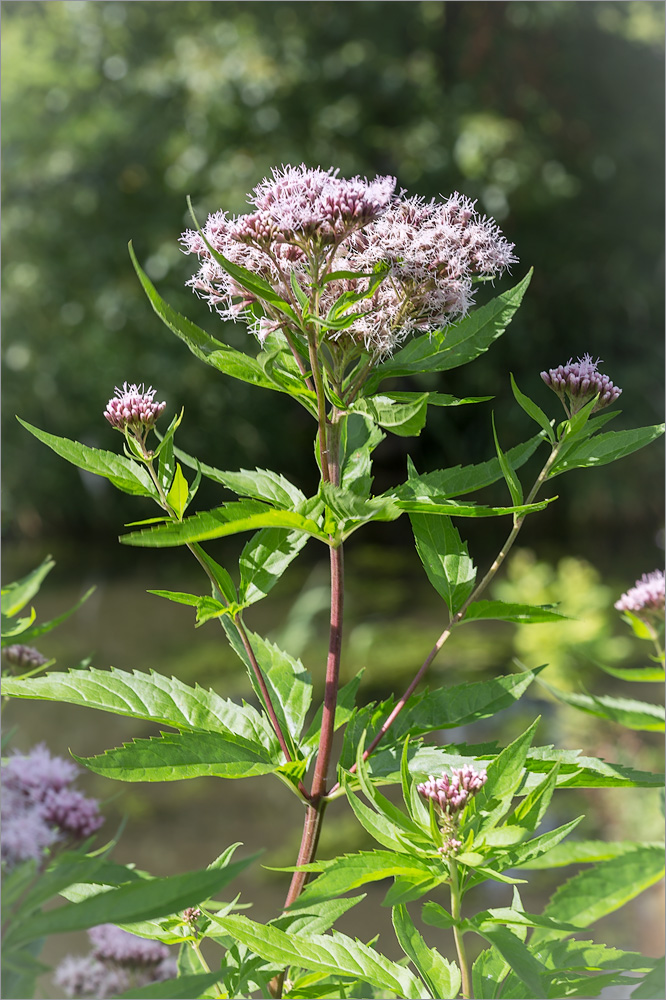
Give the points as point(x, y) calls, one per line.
point(182, 988)
point(29, 634)
point(260, 484)
point(604, 448)
point(653, 984)
point(359, 439)
point(532, 410)
point(518, 856)
point(641, 715)
point(458, 480)
point(602, 889)
point(445, 559)
point(350, 510)
point(456, 344)
point(502, 611)
point(440, 976)
point(529, 813)
point(136, 901)
point(123, 473)
point(333, 952)
point(246, 515)
point(11, 628)
point(519, 959)
point(177, 756)
point(575, 852)
point(436, 916)
point(166, 463)
point(564, 955)
point(438, 398)
point(223, 582)
point(289, 683)
point(350, 871)
point(177, 496)
point(449, 508)
point(384, 832)
point(265, 558)
point(151, 696)
point(16, 595)
point(488, 971)
point(404, 419)
point(512, 480)
point(204, 347)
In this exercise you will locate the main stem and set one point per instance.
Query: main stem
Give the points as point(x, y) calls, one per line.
point(457, 933)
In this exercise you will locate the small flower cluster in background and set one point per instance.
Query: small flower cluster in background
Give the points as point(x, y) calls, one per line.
point(24, 657)
point(309, 222)
point(133, 408)
point(118, 960)
point(39, 806)
point(646, 598)
point(580, 381)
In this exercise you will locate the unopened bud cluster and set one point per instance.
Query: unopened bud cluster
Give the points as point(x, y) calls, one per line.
point(580, 381)
point(646, 599)
point(24, 657)
point(451, 794)
point(133, 408)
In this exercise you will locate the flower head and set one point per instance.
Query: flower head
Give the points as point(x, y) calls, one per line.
point(580, 381)
point(646, 598)
point(133, 408)
point(113, 944)
point(451, 794)
point(426, 252)
point(118, 960)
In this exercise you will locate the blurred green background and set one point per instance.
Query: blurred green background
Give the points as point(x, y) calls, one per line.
point(551, 115)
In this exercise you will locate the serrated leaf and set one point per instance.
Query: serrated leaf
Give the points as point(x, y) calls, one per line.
point(351, 510)
point(334, 952)
point(504, 776)
point(16, 595)
point(604, 448)
point(289, 683)
point(576, 955)
point(503, 611)
point(458, 480)
point(178, 493)
point(259, 484)
point(351, 871)
point(265, 558)
point(488, 971)
point(575, 852)
point(516, 954)
point(457, 344)
point(529, 813)
point(136, 901)
point(445, 559)
point(436, 916)
point(151, 696)
point(440, 976)
point(532, 410)
point(640, 715)
point(123, 473)
point(404, 419)
point(230, 519)
point(602, 889)
point(359, 438)
point(177, 756)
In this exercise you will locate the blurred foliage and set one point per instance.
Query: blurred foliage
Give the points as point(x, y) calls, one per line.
point(549, 113)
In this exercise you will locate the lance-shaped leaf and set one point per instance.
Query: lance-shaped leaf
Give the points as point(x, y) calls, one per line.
point(153, 697)
point(516, 954)
point(260, 484)
point(456, 344)
point(604, 448)
point(230, 519)
point(445, 559)
point(602, 889)
point(504, 777)
point(440, 976)
point(135, 901)
point(502, 611)
point(653, 984)
point(16, 595)
point(177, 756)
point(575, 852)
point(265, 558)
point(350, 871)
point(333, 952)
point(359, 438)
point(642, 675)
point(458, 480)
point(126, 475)
point(450, 508)
point(509, 473)
point(289, 683)
point(640, 715)
point(567, 954)
point(532, 410)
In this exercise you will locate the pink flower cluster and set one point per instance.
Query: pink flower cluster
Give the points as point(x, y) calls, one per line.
point(39, 807)
point(428, 252)
point(24, 657)
point(451, 794)
point(581, 381)
point(133, 408)
point(117, 961)
point(646, 598)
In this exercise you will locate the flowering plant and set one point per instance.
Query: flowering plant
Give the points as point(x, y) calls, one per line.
point(347, 285)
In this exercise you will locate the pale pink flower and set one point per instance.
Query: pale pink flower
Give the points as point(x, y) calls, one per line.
point(646, 598)
point(451, 794)
point(580, 381)
point(133, 408)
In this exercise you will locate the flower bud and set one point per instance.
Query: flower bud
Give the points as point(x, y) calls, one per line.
point(580, 381)
point(24, 656)
point(133, 408)
point(451, 794)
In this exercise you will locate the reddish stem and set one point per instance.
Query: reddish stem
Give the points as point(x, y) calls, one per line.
point(332, 675)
